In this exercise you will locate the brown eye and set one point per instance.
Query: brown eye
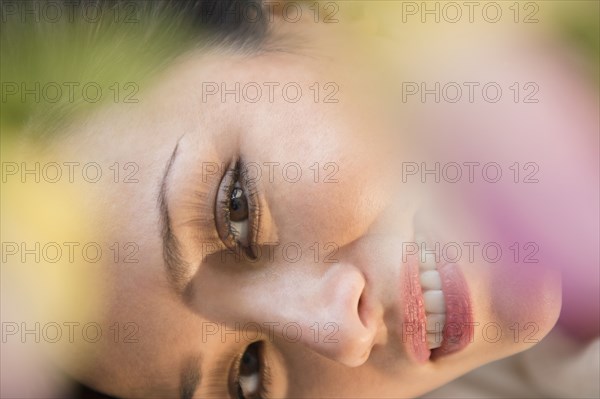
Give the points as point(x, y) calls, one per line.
point(236, 213)
point(250, 362)
point(250, 372)
point(238, 205)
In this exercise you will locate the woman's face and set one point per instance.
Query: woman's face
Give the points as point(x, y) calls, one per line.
point(287, 224)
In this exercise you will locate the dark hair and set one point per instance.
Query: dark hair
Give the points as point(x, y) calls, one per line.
point(81, 391)
point(235, 22)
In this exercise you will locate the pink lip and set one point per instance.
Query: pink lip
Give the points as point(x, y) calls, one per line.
point(458, 330)
point(414, 320)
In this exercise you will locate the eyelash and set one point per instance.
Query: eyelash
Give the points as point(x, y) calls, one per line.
point(237, 174)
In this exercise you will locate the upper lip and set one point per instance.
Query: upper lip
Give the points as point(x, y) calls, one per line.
point(412, 313)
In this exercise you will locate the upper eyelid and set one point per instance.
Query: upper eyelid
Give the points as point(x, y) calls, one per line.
point(192, 214)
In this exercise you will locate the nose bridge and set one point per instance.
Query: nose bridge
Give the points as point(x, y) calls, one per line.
point(328, 313)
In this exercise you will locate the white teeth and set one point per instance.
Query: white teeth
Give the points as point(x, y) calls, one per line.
point(434, 340)
point(433, 298)
point(435, 322)
point(434, 301)
point(430, 280)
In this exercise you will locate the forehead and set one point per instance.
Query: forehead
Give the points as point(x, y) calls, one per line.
point(316, 80)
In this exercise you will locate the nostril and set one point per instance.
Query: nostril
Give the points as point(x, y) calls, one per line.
point(364, 306)
point(360, 309)
point(355, 309)
point(363, 309)
point(351, 294)
point(370, 315)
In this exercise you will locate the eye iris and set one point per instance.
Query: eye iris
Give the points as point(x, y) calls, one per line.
point(238, 205)
point(250, 372)
point(250, 362)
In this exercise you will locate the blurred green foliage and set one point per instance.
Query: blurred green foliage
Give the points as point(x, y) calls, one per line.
point(579, 23)
point(120, 48)
point(129, 42)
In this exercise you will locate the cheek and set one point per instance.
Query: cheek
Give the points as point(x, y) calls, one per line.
point(527, 299)
point(514, 308)
point(339, 211)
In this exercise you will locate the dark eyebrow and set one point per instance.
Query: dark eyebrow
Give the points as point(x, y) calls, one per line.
point(176, 266)
point(190, 377)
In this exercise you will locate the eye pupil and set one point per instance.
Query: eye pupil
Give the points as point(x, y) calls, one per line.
point(251, 373)
point(247, 359)
point(238, 205)
point(250, 363)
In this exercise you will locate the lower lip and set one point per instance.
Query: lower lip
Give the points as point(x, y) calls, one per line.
point(458, 330)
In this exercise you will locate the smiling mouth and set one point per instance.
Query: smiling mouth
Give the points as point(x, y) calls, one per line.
point(438, 317)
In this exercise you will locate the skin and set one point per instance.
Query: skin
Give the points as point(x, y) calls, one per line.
point(366, 214)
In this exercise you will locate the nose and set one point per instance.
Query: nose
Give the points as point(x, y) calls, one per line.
point(329, 313)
